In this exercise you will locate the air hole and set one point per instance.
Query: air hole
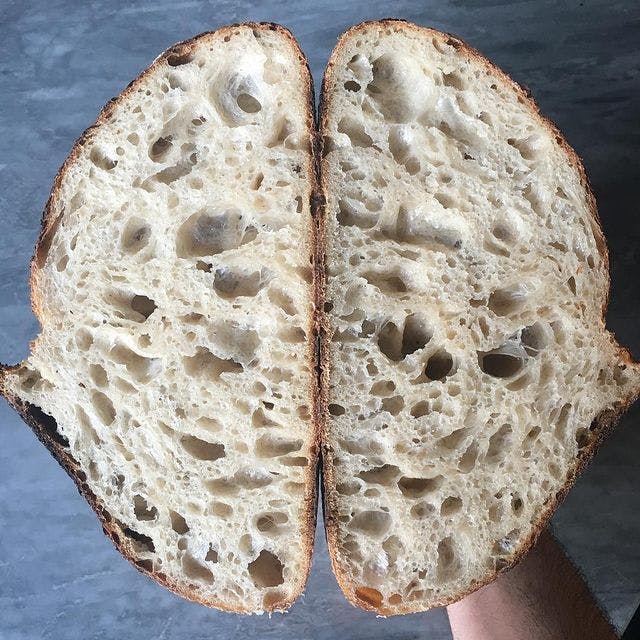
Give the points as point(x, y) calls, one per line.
point(396, 345)
point(222, 510)
point(201, 449)
point(248, 103)
point(421, 510)
point(387, 282)
point(448, 565)
point(439, 365)
point(266, 570)
point(503, 362)
point(101, 160)
point(447, 201)
point(504, 302)
point(124, 386)
point(282, 300)
point(414, 336)
point(453, 80)
point(336, 409)
point(142, 543)
point(417, 487)
point(271, 523)
point(178, 58)
point(206, 234)
point(384, 475)
point(450, 506)
point(469, 458)
point(382, 388)
point(371, 523)
point(259, 419)
point(135, 236)
point(195, 570)
point(362, 446)
point(248, 478)
point(62, 263)
point(142, 510)
point(534, 338)
point(160, 148)
point(355, 131)
point(351, 85)
point(206, 364)
point(506, 545)
point(350, 216)
point(142, 368)
point(420, 409)
point(500, 444)
point(526, 148)
point(103, 407)
point(348, 488)
point(212, 555)
point(83, 339)
point(143, 305)
point(582, 437)
point(517, 505)
point(270, 446)
point(178, 523)
point(208, 424)
point(171, 174)
point(393, 405)
point(98, 375)
point(230, 283)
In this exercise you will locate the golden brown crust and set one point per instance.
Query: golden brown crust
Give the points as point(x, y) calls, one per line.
point(43, 425)
point(601, 425)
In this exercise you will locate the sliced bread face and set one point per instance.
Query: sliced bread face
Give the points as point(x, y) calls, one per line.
point(173, 375)
point(468, 372)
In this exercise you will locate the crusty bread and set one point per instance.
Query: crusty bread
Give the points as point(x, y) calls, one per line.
point(173, 376)
point(466, 367)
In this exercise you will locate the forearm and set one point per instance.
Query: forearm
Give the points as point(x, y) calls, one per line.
point(542, 598)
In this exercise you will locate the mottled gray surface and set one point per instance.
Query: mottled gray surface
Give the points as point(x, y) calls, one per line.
point(61, 60)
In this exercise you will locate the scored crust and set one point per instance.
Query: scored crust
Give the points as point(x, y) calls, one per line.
point(601, 425)
point(44, 426)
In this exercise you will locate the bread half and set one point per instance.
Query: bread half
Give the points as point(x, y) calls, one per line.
point(173, 377)
point(467, 370)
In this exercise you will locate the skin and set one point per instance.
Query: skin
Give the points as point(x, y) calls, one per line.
point(542, 598)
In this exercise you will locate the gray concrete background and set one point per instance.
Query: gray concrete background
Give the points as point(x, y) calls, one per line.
point(60, 578)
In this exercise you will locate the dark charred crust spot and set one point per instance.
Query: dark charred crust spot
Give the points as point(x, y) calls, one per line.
point(109, 108)
point(47, 424)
